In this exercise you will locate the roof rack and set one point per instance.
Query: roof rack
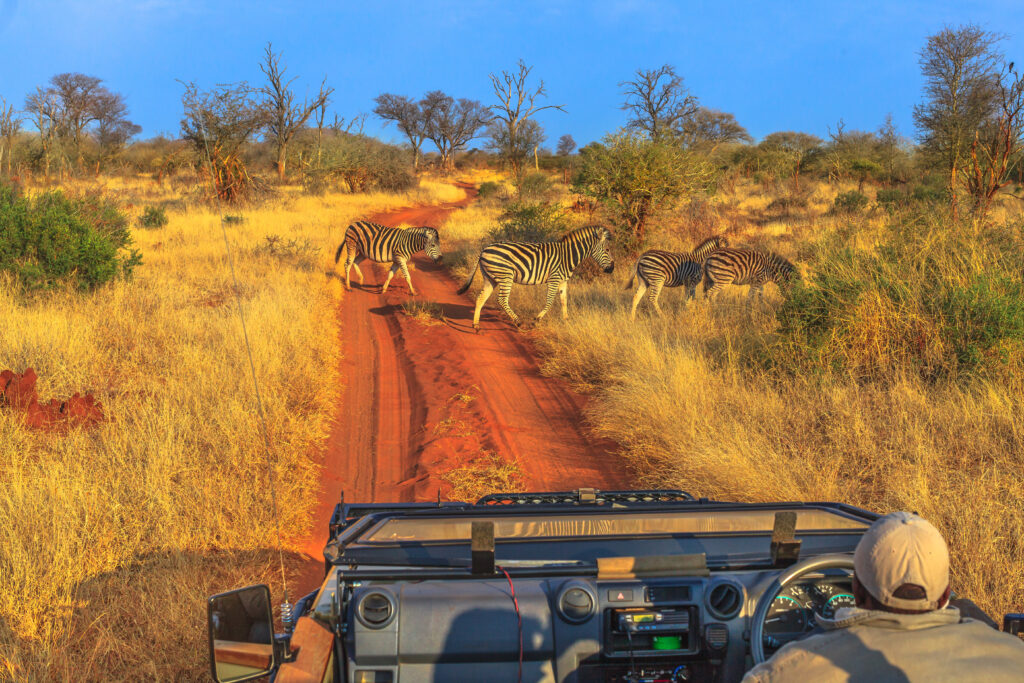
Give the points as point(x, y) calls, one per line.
point(588, 497)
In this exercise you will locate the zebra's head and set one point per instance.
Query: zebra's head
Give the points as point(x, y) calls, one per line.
point(602, 249)
point(781, 270)
point(432, 245)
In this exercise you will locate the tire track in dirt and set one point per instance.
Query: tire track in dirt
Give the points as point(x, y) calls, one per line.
point(421, 399)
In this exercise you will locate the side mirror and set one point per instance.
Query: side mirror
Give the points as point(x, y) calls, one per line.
point(1014, 624)
point(241, 627)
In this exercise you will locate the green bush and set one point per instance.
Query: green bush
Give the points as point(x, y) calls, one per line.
point(153, 217)
point(928, 194)
point(932, 299)
point(488, 189)
point(850, 202)
point(530, 222)
point(53, 238)
point(890, 199)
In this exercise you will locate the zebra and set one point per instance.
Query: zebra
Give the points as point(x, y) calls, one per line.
point(744, 267)
point(656, 269)
point(531, 263)
point(365, 240)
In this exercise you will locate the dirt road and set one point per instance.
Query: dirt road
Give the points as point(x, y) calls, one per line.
point(420, 399)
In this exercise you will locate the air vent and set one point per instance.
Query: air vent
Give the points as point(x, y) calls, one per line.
point(376, 610)
point(724, 600)
point(716, 636)
point(576, 604)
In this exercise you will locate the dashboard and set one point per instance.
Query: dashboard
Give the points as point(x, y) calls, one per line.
point(615, 591)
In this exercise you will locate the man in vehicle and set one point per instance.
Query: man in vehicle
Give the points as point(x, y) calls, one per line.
point(902, 628)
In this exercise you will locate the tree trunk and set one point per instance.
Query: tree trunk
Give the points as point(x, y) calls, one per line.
point(536, 161)
point(281, 160)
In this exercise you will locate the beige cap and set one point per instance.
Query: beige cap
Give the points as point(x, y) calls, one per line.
point(898, 549)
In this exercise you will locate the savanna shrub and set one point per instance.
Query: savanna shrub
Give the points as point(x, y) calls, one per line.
point(850, 202)
point(153, 217)
point(53, 238)
point(928, 194)
point(890, 199)
point(534, 186)
point(488, 189)
point(932, 299)
point(530, 222)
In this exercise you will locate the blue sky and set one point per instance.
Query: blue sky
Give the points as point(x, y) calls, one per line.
point(775, 65)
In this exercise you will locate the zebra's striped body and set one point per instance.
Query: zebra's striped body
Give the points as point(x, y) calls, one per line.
point(656, 269)
point(744, 267)
point(365, 240)
point(531, 263)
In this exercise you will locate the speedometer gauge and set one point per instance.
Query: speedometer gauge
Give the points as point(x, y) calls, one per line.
point(836, 602)
point(786, 616)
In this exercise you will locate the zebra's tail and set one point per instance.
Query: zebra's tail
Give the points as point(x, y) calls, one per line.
point(341, 248)
point(463, 288)
point(632, 277)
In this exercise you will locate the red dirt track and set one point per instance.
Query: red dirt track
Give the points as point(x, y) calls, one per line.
point(419, 399)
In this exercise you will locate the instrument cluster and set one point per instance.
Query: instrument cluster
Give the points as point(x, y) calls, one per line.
point(792, 614)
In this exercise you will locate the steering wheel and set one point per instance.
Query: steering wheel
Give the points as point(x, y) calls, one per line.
point(784, 579)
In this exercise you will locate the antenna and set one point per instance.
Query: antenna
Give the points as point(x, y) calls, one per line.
point(286, 606)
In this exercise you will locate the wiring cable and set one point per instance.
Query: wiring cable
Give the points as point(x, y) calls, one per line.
point(519, 619)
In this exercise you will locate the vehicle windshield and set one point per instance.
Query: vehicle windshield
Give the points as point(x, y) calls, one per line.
point(421, 530)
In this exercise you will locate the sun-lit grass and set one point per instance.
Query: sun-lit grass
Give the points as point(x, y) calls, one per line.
point(110, 538)
point(487, 473)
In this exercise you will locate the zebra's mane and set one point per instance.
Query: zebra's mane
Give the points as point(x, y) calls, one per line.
point(586, 231)
point(717, 240)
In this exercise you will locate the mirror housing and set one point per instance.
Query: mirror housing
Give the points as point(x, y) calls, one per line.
point(241, 630)
point(1014, 624)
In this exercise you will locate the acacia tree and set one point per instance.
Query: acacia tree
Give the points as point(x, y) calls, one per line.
point(10, 124)
point(407, 115)
point(566, 145)
point(528, 140)
point(42, 105)
point(961, 72)
point(65, 110)
point(791, 151)
point(709, 128)
point(285, 116)
point(658, 101)
point(635, 177)
point(113, 129)
point(998, 145)
point(517, 103)
point(450, 124)
point(217, 123)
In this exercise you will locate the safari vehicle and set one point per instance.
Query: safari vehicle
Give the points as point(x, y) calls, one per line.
point(572, 587)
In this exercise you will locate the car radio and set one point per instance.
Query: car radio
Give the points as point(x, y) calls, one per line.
point(657, 631)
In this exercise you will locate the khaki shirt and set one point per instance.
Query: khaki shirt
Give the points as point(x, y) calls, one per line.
point(865, 645)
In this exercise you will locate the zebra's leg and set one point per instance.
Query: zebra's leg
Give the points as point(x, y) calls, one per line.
point(563, 293)
point(711, 293)
point(653, 295)
point(405, 272)
point(553, 287)
point(504, 289)
point(691, 293)
point(350, 258)
point(481, 299)
point(391, 273)
point(636, 298)
point(355, 264)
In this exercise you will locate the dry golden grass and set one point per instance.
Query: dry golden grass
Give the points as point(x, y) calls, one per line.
point(487, 473)
point(110, 538)
point(692, 408)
